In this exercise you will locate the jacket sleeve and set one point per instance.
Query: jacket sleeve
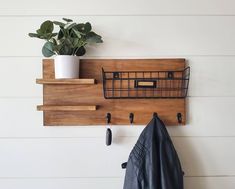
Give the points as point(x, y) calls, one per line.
point(131, 178)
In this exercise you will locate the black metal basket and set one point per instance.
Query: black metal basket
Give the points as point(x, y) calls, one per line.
point(145, 84)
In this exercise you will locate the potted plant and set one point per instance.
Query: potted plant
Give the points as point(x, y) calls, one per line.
point(68, 44)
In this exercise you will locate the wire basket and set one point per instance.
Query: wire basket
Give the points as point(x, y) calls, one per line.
point(145, 84)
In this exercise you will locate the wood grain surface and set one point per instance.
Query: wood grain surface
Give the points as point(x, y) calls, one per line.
point(65, 108)
point(66, 81)
point(92, 95)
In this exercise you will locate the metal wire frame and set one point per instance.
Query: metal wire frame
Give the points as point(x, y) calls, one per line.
point(161, 84)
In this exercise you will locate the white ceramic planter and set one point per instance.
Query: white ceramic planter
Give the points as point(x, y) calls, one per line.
point(66, 66)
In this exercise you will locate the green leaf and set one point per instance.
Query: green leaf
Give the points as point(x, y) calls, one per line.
point(54, 41)
point(61, 33)
point(75, 42)
point(47, 27)
point(80, 51)
point(87, 27)
point(48, 49)
point(39, 32)
point(37, 35)
point(92, 37)
point(65, 50)
point(71, 26)
point(34, 35)
point(48, 36)
point(59, 23)
point(54, 34)
point(80, 27)
point(67, 20)
point(77, 33)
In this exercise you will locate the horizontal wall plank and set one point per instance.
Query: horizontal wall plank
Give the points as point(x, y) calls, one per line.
point(207, 156)
point(167, 35)
point(90, 157)
point(209, 182)
point(64, 183)
point(210, 76)
point(106, 183)
point(107, 7)
point(207, 117)
point(18, 77)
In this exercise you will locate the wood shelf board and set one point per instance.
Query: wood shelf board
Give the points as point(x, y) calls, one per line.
point(66, 81)
point(65, 108)
point(120, 113)
point(120, 109)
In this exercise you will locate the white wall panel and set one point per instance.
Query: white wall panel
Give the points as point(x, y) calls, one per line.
point(18, 77)
point(133, 36)
point(212, 76)
point(83, 157)
point(209, 182)
point(107, 183)
point(62, 183)
point(212, 116)
point(121, 7)
point(90, 157)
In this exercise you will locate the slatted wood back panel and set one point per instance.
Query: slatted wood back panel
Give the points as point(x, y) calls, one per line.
point(89, 95)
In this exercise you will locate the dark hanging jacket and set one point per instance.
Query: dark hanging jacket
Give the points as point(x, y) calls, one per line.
point(153, 163)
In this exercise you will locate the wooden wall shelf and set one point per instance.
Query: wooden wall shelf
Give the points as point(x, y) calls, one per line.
point(65, 108)
point(66, 81)
point(64, 99)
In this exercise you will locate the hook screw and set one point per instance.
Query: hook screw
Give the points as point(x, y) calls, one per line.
point(155, 114)
point(108, 118)
point(179, 117)
point(131, 118)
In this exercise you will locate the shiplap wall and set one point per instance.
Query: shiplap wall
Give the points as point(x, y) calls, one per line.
point(202, 31)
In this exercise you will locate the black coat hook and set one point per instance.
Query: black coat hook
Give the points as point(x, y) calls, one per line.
point(108, 139)
point(123, 165)
point(179, 117)
point(131, 118)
